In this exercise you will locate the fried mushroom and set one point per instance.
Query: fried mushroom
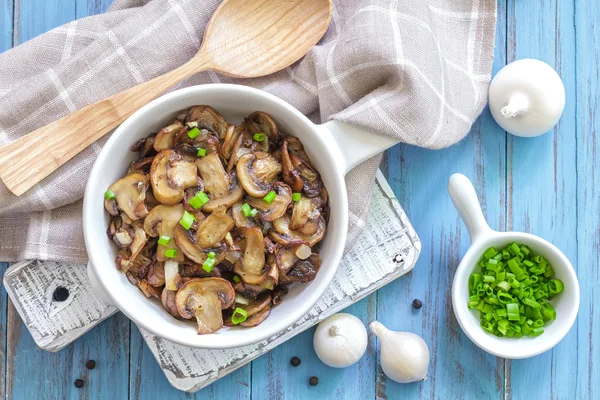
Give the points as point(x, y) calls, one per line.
point(257, 173)
point(204, 298)
point(170, 175)
point(129, 195)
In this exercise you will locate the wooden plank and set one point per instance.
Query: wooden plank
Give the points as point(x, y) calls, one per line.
point(274, 378)
point(587, 24)
point(6, 24)
point(542, 179)
point(30, 370)
point(35, 17)
point(84, 8)
point(147, 380)
point(419, 179)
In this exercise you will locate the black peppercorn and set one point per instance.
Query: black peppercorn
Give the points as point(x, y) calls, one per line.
point(60, 294)
point(78, 383)
point(295, 361)
point(417, 304)
point(90, 364)
point(314, 381)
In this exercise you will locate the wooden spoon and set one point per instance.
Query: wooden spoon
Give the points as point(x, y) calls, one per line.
point(244, 38)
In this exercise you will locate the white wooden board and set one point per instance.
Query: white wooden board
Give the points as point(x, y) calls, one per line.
point(388, 248)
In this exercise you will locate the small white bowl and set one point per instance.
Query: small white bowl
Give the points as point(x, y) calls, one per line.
point(483, 237)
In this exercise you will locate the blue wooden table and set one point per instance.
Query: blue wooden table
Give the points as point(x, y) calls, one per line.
point(546, 185)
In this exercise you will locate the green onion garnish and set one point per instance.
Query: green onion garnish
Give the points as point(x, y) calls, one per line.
point(237, 279)
point(211, 254)
point(194, 132)
point(198, 200)
point(259, 137)
point(164, 240)
point(208, 264)
point(246, 209)
point(296, 196)
point(171, 253)
point(187, 220)
point(270, 197)
point(109, 195)
point(239, 316)
point(253, 212)
point(201, 152)
point(511, 290)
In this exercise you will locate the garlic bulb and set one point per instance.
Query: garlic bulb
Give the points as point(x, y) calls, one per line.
point(340, 340)
point(527, 97)
point(404, 356)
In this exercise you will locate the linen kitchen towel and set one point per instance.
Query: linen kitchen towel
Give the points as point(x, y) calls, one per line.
point(417, 70)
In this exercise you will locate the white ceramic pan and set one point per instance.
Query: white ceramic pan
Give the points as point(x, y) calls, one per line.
point(334, 149)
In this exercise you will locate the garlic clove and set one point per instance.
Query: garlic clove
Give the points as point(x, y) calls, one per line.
point(404, 356)
point(340, 340)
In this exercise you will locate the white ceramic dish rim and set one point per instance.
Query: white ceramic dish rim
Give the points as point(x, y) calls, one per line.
point(482, 237)
point(322, 143)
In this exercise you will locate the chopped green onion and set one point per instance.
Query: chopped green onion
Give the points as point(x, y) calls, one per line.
point(237, 279)
point(270, 197)
point(258, 137)
point(208, 264)
point(109, 195)
point(246, 209)
point(187, 220)
point(253, 212)
point(239, 316)
point(171, 253)
point(164, 240)
point(201, 152)
point(211, 254)
point(198, 200)
point(511, 288)
point(193, 133)
point(296, 196)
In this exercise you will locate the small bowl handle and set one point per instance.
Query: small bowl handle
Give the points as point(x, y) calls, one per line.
point(466, 202)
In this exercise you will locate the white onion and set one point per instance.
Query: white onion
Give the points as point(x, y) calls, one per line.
point(340, 340)
point(171, 271)
point(527, 97)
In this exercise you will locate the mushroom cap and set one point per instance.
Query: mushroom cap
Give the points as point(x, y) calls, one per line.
point(208, 118)
point(130, 193)
point(282, 233)
point(170, 175)
point(214, 228)
point(204, 298)
point(257, 172)
point(161, 221)
point(220, 187)
point(253, 263)
point(165, 138)
point(278, 207)
point(186, 242)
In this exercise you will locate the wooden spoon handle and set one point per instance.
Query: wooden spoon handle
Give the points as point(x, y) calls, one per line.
point(31, 158)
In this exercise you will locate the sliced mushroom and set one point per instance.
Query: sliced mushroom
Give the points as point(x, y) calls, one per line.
point(303, 270)
point(249, 291)
point(296, 148)
point(130, 193)
point(278, 293)
point(284, 235)
point(148, 290)
point(168, 300)
point(251, 267)
point(144, 146)
point(240, 147)
point(139, 239)
point(304, 209)
point(165, 138)
point(285, 257)
point(208, 118)
point(220, 187)
point(262, 122)
point(257, 305)
point(186, 241)
point(257, 318)
point(290, 175)
point(278, 207)
point(257, 172)
point(156, 274)
point(240, 219)
point(140, 166)
point(214, 228)
point(232, 135)
point(204, 298)
point(170, 175)
point(162, 221)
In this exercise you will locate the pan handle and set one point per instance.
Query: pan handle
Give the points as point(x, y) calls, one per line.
point(356, 144)
point(466, 202)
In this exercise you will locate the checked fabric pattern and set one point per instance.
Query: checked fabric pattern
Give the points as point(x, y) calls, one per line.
point(417, 70)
